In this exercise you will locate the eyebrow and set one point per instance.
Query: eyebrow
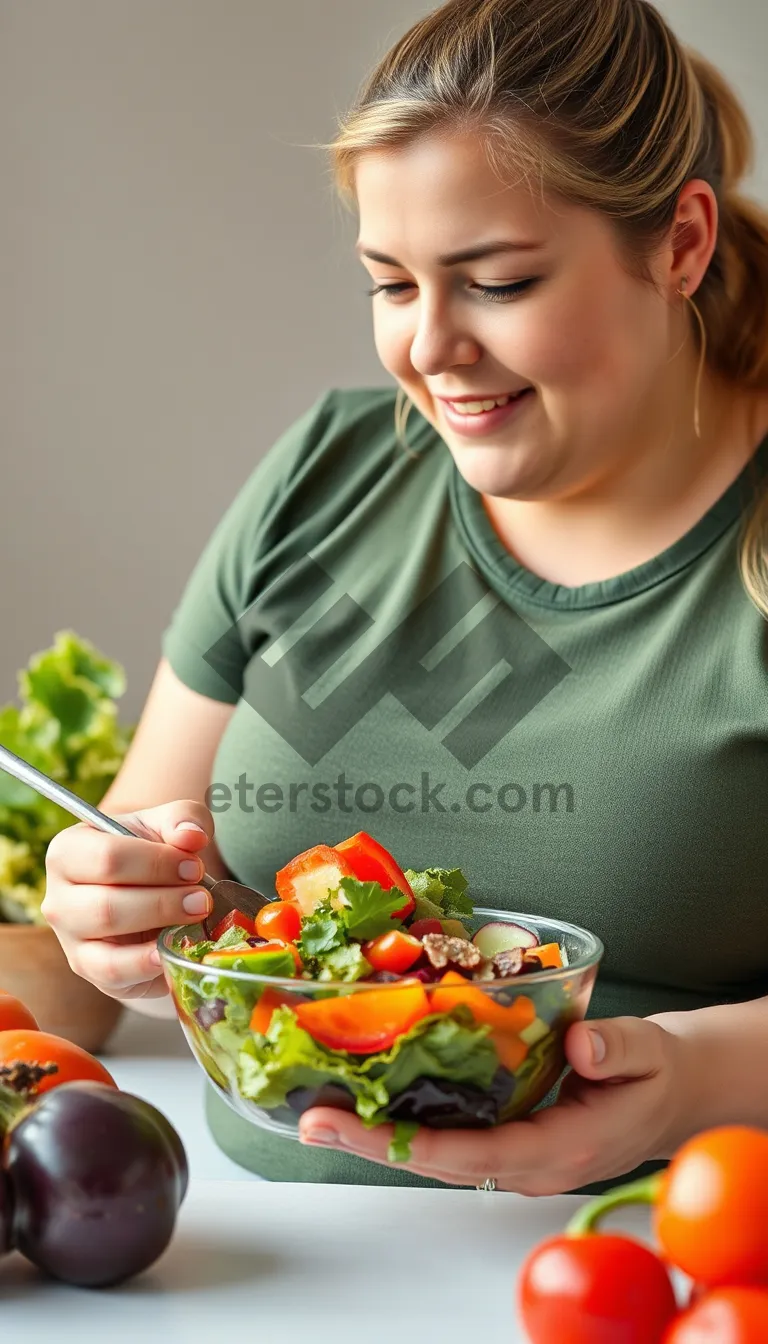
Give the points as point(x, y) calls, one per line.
point(493, 248)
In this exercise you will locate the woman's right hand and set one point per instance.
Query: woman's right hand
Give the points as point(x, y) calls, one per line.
point(108, 896)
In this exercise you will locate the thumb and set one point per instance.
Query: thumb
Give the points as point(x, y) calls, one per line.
point(616, 1047)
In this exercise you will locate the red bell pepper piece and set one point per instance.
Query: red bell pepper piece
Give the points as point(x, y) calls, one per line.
point(308, 878)
point(371, 862)
point(365, 1022)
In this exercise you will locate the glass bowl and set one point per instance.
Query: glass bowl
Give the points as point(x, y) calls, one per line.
point(456, 1055)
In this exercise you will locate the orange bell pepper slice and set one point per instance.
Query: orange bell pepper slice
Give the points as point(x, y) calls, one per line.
point(506, 1023)
point(262, 1013)
point(367, 1021)
point(548, 954)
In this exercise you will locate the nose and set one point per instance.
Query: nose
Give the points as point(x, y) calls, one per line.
point(439, 343)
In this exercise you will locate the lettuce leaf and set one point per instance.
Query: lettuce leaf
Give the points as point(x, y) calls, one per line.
point(443, 891)
point(67, 726)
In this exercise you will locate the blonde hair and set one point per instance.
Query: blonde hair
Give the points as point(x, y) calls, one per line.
point(599, 102)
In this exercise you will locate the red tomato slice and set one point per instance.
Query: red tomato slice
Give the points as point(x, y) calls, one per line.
point(233, 919)
point(371, 862)
point(395, 951)
point(365, 1022)
point(279, 919)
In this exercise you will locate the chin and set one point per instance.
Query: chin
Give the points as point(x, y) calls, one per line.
point(491, 471)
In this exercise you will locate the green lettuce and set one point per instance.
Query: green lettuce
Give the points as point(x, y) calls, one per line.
point(67, 726)
point(439, 1046)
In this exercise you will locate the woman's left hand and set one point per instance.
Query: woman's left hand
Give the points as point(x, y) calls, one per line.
point(627, 1105)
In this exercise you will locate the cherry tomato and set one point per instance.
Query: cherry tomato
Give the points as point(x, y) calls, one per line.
point(395, 951)
point(40, 1047)
point(367, 1021)
point(371, 862)
point(711, 1213)
point(724, 1316)
point(279, 919)
point(14, 1013)
point(234, 919)
point(578, 1290)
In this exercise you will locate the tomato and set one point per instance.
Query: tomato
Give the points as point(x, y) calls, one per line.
point(13, 1013)
point(40, 1047)
point(309, 877)
point(395, 951)
point(234, 919)
point(262, 1013)
point(421, 927)
point(711, 1210)
point(724, 1316)
point(365, 1022)
point(279, 919)
point(578, 1290)
point(371, 862)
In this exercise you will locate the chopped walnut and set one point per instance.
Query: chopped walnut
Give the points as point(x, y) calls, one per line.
point(508, 963)
point(441, 950)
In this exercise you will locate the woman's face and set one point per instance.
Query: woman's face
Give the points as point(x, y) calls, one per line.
point(554, 321)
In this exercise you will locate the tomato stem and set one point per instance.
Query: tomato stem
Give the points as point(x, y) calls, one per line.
point(585, 1221)
point(12, 1106)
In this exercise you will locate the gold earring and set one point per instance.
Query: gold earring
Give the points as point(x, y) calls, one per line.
point(702, 354)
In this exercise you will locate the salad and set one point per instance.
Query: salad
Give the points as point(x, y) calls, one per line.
point(390, 998)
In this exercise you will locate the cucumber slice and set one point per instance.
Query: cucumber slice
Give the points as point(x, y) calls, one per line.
point(499, 936)
point(535, 1032)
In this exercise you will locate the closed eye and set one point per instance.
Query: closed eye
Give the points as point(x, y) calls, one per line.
point(489, 293)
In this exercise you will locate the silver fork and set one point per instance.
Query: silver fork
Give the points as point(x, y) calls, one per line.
point(227, 895)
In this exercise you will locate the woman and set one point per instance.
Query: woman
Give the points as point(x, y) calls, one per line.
point(570, 295)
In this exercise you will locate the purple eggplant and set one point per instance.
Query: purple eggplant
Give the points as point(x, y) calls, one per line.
point(93, 1180)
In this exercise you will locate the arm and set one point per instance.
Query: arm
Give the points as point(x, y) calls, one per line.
point(171, 756)
point(726, 1050)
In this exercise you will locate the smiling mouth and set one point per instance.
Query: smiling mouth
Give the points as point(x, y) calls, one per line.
point(482, 405)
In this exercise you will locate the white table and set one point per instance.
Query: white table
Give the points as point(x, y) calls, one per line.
point(293, 1264)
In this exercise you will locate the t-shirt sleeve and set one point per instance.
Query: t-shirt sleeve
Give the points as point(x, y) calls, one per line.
point(217, 590)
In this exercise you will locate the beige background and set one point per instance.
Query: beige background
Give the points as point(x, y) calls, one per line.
point(177, 282)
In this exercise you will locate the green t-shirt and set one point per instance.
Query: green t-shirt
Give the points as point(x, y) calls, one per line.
point(596, 753)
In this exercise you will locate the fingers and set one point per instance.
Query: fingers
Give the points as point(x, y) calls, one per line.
point(84, 856)
point(93, 912)
point(114, 967)
point(618, 1047)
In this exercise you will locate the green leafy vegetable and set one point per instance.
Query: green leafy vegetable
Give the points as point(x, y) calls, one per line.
point(66, 726)
point(440, 1046)
point(400, 1144)
point(443, 891)
point(368, 908)
point(344, 963)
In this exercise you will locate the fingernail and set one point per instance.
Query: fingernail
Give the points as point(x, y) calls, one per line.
point(327, 1137)
point(155, 957)
point(197, 903)
point(598, 1047)
point(189, 870)
point(189, 826)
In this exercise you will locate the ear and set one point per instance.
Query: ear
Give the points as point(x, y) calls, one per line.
point(693, 236)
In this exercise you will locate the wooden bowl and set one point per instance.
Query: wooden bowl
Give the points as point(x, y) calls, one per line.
point(33, 968)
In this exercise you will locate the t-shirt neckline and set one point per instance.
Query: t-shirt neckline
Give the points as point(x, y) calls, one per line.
point(480, 538)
